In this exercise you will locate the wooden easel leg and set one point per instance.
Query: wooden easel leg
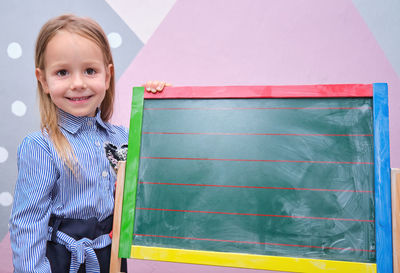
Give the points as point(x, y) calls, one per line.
point(115, 262)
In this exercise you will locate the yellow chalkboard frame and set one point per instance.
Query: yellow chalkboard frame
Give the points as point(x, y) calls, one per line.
point(249, 261)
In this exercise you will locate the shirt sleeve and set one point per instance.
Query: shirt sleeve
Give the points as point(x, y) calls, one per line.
point(31, 211)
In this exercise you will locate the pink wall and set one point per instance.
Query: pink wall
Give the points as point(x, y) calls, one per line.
point(263, 43)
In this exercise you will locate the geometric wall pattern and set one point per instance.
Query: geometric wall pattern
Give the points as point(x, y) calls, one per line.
point(207, 42)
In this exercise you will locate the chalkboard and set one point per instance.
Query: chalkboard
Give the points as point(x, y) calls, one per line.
point(281, 172)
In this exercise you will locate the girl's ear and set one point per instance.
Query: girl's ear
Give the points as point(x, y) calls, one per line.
point(109, 73)
point(41, 77)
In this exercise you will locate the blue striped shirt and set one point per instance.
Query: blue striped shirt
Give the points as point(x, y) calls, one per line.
point(45, 186)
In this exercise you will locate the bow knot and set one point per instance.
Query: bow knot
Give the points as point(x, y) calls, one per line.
point(82, 250)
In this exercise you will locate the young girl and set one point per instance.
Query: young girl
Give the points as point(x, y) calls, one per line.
point(63, 203)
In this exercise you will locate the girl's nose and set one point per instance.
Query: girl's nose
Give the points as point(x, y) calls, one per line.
point(77, 82)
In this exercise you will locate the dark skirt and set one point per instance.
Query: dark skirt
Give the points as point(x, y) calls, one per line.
point(58, 255)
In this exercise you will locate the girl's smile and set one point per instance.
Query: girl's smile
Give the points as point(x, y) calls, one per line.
point(80, 99)
point(74, 75)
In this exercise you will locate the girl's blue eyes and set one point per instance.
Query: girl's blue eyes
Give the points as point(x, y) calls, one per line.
point(88, 71)
point(62, 73)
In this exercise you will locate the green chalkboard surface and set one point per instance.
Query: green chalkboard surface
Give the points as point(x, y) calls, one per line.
point(283, 177)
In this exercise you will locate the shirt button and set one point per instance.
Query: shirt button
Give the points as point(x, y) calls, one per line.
point(97, 143)
point(90, 123)
point(104, 174)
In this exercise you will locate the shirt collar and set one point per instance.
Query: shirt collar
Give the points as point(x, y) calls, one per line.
point(72, 123)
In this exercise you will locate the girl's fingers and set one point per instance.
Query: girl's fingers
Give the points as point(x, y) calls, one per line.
point(147, 86)
point(155, 86)
point(160, 86)
point(151, 86)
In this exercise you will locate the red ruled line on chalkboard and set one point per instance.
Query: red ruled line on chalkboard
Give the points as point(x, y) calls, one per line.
point(250, 134)
point(256, 214)
point(246, 242)
point(260, 108)
point(255, 160)
point(251, 187)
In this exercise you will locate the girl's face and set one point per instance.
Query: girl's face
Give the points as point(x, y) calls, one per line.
point(74, 74)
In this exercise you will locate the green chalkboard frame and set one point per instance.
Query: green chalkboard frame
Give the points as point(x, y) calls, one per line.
point(378, 92)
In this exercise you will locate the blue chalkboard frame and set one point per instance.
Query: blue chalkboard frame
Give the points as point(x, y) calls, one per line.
point(383, 208)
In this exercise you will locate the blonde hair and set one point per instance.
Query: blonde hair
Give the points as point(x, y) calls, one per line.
point(89, 29)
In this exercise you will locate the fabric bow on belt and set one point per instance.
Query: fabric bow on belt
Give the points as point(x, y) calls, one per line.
point(82, 250)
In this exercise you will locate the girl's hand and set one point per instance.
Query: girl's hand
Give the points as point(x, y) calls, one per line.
point(155, 86)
